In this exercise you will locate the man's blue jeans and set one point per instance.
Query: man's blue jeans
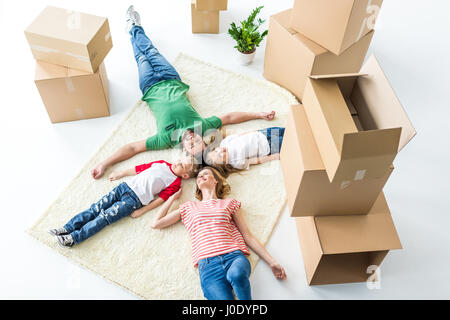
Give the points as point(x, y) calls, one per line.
point(220, 275)
point(119, 203)
point(152, 66)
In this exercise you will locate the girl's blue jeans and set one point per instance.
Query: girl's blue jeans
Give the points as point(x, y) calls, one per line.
point(274, 137)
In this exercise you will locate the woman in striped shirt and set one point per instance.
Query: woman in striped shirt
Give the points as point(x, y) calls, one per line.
point(219, 238)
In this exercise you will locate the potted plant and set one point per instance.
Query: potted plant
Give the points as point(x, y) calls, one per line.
point(247, 36)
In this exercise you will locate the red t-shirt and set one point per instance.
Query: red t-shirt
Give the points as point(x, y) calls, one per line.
point(154, 178)
point(211, 228)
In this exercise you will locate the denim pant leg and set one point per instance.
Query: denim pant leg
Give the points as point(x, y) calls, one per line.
point(78, 221)
point(274, 136)
point(152, 66)
point(118, 210)
point(124, 202)
point(213, 280)
point(238, 273)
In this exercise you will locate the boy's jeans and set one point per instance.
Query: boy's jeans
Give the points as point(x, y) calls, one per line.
point(220, 275)
point(274, 136)
point(119, 203)
point(152, 66)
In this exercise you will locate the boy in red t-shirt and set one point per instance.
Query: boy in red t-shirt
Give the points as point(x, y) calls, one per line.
point(152, 184)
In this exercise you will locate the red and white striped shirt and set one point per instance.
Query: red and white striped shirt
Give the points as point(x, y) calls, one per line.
point(211, 228)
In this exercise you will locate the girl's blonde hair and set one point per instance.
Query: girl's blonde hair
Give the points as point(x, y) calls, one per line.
point(222, 186)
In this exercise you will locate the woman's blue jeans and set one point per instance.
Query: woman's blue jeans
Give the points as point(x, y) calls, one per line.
point(221, 275)
point(152, 66)
point(117, 204)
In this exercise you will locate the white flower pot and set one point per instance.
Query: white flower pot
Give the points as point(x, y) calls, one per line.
point(245, 58)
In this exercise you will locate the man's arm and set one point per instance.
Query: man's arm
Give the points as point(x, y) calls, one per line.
point(124, 153)
point(238, 117)
point(152, 205)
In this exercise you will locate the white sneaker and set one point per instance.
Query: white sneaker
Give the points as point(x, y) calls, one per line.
point(132, 18)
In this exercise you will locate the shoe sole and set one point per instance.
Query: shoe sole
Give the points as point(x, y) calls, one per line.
point(56, 234)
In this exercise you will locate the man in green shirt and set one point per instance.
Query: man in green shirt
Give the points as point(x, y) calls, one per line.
point(176, 120)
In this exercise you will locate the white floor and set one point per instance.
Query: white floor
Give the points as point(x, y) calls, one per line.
point(39, 158)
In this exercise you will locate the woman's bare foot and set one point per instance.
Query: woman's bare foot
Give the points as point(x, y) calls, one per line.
point(269, 116)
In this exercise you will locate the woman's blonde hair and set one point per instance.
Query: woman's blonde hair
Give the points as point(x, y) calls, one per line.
point(222, 186)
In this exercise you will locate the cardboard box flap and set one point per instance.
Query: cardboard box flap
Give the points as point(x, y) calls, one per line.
point(366, 155)
point(370, 143)
point(385, 108)
point(357, 233)
point(65, 24)
point(337, 76)
point(284, 18)
point(305, 139)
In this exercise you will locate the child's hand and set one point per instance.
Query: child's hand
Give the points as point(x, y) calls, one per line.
point(177, 194)
point(115, 176)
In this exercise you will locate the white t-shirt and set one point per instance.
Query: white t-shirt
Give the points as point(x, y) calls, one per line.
point(242, 147)
point(152, 179)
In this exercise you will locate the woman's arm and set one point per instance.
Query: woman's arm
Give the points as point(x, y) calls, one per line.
point(116, 175)
point(259, 160)
point(256, 246)
point(163, 219)
point(155, 203)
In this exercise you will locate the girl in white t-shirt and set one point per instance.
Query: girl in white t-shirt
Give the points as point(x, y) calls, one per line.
point(239, 151)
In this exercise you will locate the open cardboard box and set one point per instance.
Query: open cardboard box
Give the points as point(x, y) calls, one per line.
point(204, 21)
point(343, 249)
point(335, 25)
point(290, 57)
point(349, 154)
point(308, 189)
point(69, 38)
point(71, 94)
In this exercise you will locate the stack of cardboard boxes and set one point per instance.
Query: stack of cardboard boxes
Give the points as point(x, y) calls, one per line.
point(205, 15)
point(340, 143)
point(69, 48)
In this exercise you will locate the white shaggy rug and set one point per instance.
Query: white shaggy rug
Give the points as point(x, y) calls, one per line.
point(156, 264)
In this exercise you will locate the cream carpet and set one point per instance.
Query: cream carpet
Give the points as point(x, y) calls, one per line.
point(156, 264)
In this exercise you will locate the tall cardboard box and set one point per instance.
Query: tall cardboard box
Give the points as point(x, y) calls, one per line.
point(348, 154)
point(71, 94)
point(69, 38)
point(204, 21)
point(290, 57)
point(335, 25)
point(344, 249)
point(211, 5)
point(308, 189)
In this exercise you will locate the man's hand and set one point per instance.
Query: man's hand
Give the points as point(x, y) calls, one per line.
point(98, 171)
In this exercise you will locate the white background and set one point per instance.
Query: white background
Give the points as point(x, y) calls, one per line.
point(38, 159)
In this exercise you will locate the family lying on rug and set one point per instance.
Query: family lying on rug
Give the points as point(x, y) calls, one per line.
point(219, 234)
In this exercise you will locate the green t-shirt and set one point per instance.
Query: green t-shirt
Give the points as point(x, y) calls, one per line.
point(174, 114)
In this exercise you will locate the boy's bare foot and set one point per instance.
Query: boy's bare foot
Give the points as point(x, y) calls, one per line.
point(98, 171)
point(269, 116)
